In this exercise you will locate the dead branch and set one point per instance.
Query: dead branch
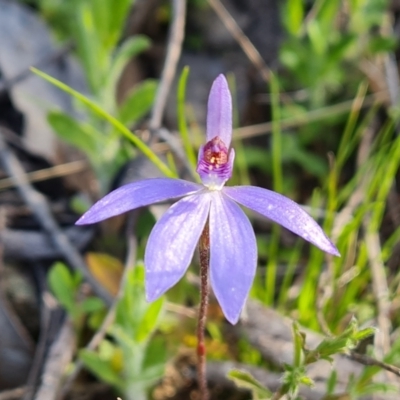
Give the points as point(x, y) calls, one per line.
point(38, 203)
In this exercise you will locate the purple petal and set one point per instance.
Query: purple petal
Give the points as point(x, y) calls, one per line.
point(284, 211)
point(233, 255)
point(137, 194)
point(219, 112)
point(172, 243)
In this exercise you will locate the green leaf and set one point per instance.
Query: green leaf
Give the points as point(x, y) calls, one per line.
point(125, 339)
point(343, 343)
point(91, 304)
point(182, 124)
point(327, 14)
point(375, 388)
point(245, 380)
point(63, 285)
point(152, 373)
point(150, 320)
point(293, 16)
point(101, 368)
point(317, 39)
point(98, 26)
point(135, 316)
point(299, 345)
point(364, 333)
point(132, 307)
point(337, 52)
point(156, 353)
point(305, 380)
point(129, 49)
point(121, 128)
point(294, 377)
point(138, 102)
point(82, 136)
point(110, 17)
point(95, 60)
point(381, 44)
point(312, 163)
point(331, 382)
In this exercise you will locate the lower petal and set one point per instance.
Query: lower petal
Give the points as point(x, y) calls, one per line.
point(172, 243)
point(233, 255)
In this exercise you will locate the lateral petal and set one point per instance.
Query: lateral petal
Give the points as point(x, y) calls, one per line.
point(172, 242)
point(284, 211)
point(233, 255)
point(219, 111)
point(137, 194)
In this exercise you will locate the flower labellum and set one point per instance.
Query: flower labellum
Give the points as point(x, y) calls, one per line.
point(233, 250)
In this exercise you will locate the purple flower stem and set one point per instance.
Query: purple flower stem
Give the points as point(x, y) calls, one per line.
point(204, 249)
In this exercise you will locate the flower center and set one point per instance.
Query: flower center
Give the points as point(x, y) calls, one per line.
point(215, 164)
point(215, 153)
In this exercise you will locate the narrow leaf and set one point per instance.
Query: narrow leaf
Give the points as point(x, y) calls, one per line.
point(77, 134)
point(101, 368)
point(129, 49)
point(245, 380)
point(63, 285)
point(138, 102)
point(182, 124)
point(121, 128)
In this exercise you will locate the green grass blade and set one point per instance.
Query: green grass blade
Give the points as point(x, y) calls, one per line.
point(122, 129)
point(138, 102)
point(276, 149)
point(182, 124)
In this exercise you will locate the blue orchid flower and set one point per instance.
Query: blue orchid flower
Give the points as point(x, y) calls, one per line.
point(233, 249)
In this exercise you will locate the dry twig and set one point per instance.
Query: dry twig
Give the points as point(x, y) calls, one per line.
point(40, 351)
point(60, 355)
point(38, 203)
point(109, 318)
point(380, 288)
point(379, 280)
point(312, 116)
point(48, 173)
point(244, 42)
point(173, 53)
point(369, 361)
point(12, 394)
point(174, 49)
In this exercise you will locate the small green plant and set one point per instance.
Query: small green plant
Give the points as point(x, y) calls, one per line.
point(65, 285)
point(295, 374)
point(131, 358)
point(97, 30)
point(328, 44)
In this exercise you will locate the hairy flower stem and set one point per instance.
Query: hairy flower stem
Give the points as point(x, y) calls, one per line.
point(204, 249)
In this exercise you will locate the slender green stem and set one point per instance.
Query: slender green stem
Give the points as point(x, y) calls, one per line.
point(204, 249)
point(182, 123)
point(278, 187)
point(276, 136)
